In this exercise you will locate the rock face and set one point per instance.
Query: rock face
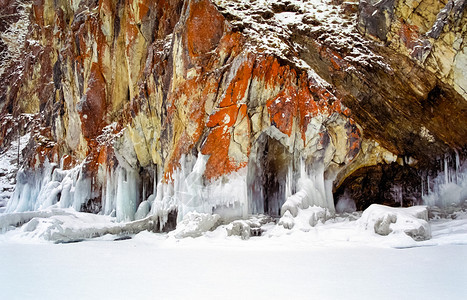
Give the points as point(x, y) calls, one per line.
point(228, 107)
point(430, 32)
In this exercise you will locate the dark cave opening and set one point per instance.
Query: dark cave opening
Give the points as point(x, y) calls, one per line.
point(267, 177)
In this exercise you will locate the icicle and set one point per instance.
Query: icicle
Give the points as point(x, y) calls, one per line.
point(154, 187)
point(446, 171)
point(449, 187)
point(288, 185)
point(428, 184)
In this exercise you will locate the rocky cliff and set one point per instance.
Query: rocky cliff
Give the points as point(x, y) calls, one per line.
point(233, 107)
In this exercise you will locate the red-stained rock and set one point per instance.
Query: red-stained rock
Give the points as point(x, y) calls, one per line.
point(204, 27)
point(282, 110)
point(238, 86)
point(409, 35)
point(177, 80)
point(92, 107)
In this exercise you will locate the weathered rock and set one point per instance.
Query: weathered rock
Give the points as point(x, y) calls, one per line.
point(189, 98)
point(430, 32)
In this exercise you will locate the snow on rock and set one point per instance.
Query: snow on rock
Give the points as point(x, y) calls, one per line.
point(385, 220)
point(239, 228)
point(67, 225)
point(271, 26)
point(249, 227)
point(195, 224)
point(14, 37)
point(305, 218)
point(12, 220)
point(287, 220)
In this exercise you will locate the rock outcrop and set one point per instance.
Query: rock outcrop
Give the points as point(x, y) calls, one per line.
point(228, 107)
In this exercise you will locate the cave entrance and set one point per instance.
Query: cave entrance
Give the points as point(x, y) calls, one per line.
point(267, 177)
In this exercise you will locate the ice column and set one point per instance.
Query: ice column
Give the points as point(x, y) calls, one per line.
point(127, 194)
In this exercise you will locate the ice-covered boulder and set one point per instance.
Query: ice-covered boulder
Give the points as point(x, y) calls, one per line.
point(249, 227)
point(194, 224)
point(287, 220)
point(305, 218)
point(239, 228)
point(385, 220)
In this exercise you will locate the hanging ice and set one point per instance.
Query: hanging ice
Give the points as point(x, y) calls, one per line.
point(449, 187)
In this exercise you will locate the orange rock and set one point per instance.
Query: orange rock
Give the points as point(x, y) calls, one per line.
point(223, 117)
point(204, 27)
point(143, 9)
point(67, 162)
point(409, 35)
point(282, 110)
point(238, 86)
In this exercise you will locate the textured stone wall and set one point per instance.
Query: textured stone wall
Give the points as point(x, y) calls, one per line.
point(149, 86)
point(431, 32)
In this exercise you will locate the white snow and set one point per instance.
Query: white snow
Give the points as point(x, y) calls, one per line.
point(333, 260)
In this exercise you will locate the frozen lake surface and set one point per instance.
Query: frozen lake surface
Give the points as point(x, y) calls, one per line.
point(332, 261)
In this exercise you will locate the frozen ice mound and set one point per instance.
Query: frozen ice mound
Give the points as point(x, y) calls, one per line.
point(304, 218)
point(385, 220)
point(239, 228)
point(249, 227)
point(194, 224)
point(67, 225)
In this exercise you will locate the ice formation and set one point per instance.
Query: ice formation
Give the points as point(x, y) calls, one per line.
point(187, 192)
point(124, 195)
point(449, 186)
point(9, 164)
point(44, 188)
point(67, 225)
point(195, 224)
point(127, 194)
point(345, 205)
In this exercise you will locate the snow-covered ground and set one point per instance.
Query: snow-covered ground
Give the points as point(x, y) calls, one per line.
point(335, 260)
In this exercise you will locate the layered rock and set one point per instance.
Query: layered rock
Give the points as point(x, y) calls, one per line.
point(219, 106)
point(433, 33)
